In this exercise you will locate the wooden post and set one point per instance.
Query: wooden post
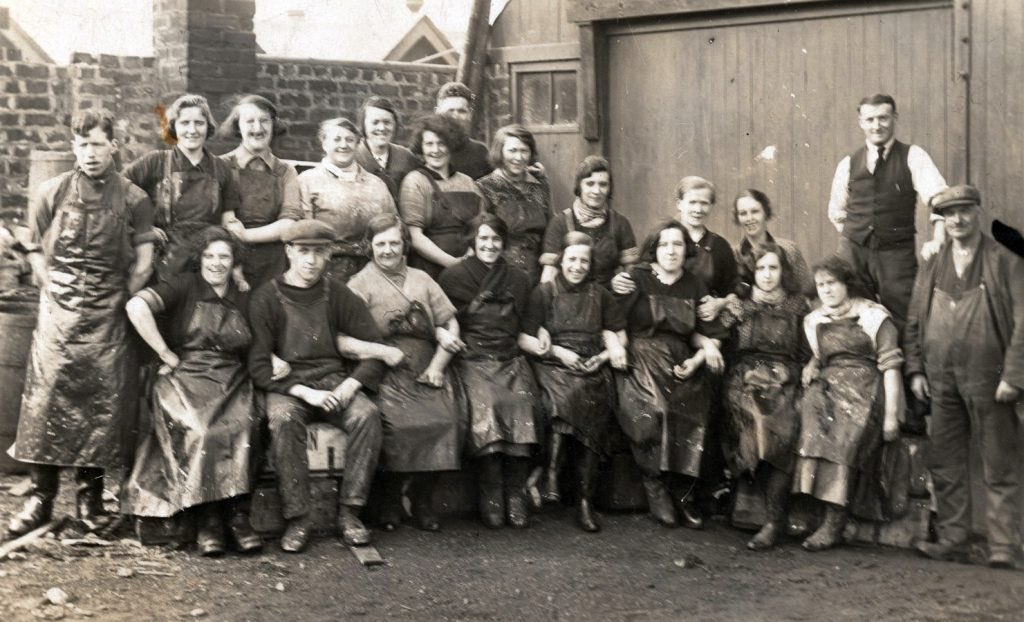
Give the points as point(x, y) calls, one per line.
point(474, 53)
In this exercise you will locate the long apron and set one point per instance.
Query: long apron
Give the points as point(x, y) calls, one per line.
point(761, 391)
point(424, 427)
point(450, 213)
point(501, 392)
point(261, 205)
point(840, 413)
point(348, 219)
point(664, 418)
point(78, 406)
point(186, 203)
point(526, 225)
point(604, 256)
point(583, 402)
point(203, 421)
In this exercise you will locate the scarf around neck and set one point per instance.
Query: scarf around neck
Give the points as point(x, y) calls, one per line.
point(588, 216)
point(773, 297)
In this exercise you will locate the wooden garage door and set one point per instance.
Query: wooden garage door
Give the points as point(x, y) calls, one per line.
point(767, 100)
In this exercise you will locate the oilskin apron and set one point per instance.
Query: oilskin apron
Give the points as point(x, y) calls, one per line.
point(348, 218)
point(78, 406)
point(585, 402)
point(186, 203)
point(526, 224)
point(261, 205)
point(664, 418)
point(604, 256)
point(203, 420)
point(761, 392)
point(450, 212)
point(500, 389)
point(424, 427)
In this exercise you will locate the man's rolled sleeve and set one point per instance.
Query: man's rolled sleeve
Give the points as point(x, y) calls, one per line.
point(840, 194)
point(928, 181)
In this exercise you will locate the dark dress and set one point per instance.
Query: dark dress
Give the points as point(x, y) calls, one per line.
point(504, 407)
point(203, 420)
point(526, 209)
point(614, 243)
point(400, 163)
point(664, 418)
point(763, 384)
point(576, 403)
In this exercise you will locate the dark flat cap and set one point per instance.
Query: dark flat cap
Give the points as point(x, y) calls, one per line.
point(962, 194)
point(308, 231)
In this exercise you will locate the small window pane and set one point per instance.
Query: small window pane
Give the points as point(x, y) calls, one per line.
point(534, 98)
point(564, 87)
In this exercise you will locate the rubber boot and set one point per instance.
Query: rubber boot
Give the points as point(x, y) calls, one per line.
point(492, 495)
point(831, 530)
point(776, 496)
point(390, 509)
point(421, 492)
point(89, 495)
point(38, 508)
point(556, 446)
point(684, 493)
point(245, 538)
point(587, 473)
point(517, 507)
point(659, 501)
point(210, 536)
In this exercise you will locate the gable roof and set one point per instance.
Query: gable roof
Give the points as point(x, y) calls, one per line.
point(424, 43)
point(14, 36)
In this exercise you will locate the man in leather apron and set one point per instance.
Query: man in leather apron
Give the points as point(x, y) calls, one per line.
point(94, 247)
point(965, 352)
point(298, 317)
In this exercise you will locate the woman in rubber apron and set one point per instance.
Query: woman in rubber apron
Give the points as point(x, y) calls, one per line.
point(268, 188)
point(344, 195)
point(518, 197)
point(663, 396)
point(191, 188)
point(763, 385)
point(587, 330)
point(203, 421)
point(852, 398)
point(436, 201)
point(504, 406)
point(614, 242)
point(421, 403)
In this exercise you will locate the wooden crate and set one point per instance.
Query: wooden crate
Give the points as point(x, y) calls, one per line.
point(266, 514)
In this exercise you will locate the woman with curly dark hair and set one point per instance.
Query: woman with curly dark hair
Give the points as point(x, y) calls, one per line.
point(436, 202)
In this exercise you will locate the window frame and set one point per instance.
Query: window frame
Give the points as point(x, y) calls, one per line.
point(548, 67)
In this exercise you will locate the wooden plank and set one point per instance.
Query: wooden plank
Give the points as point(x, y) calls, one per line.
point(535, 53)
point(593, 10)
point(590, 106)
point(367, 555)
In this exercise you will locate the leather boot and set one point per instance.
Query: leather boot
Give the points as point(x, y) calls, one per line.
point(587, 464)
point(421, 491)
point(38, 508)
point(830, 532)
point(517, 508)
point(352, 530)
point(491, 482)
point(89, 495)
point(210, 535)
point(776, 495)
point(389, 515)
point(684, 492)
point(242, 534)
point(659, 502)
point(556, 445)
point(296, 534)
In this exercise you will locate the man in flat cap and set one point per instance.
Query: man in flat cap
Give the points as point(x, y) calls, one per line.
point(964, 347)
point(299, 316)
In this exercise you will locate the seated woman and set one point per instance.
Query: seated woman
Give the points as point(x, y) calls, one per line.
point(504, 409)
point(344, 195)
point(268, 188)
point(663, 397)
point(763, 384)
point(423, 415)
point(853, 394)
point(587, 330)
point(436, 201)
point(614, 242)
point(752, 210)
point(203, 422)
point(519, 198)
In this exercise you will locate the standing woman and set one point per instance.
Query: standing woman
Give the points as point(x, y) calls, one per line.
point(614, 242)
point(268, 186)
point(519, 198)
point(491, 297)
point(663, 397)
point(587, 330)
point(344, 195)
point(763, 383)
point(436, 201)
point(378, 120)
point(191, 188)
point(203, 420)
point(752, 210)
point(420, 401)
point(852, 398)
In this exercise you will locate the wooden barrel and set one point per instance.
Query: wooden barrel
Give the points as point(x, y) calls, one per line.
point(44, 165)
point(17, 321)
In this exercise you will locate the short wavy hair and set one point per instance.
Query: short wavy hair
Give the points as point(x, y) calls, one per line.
point(85, 122)
point(188, 100)
point(789, 282)
point(695, 182)
point(447, 129)
point(649, 250)
point(231, 128)
point(493, 221)
point(842, 271)
point(455, 89)
point(495, 156)
point(342, 122)
point(878, 99)
point(209, 235)
point(382, 103)
point(381, 223)
point(590, 165)
point(757, 195)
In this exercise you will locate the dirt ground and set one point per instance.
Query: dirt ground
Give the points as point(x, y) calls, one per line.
point(633, 570)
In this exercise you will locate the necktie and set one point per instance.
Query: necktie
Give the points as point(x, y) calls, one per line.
point(881, 158)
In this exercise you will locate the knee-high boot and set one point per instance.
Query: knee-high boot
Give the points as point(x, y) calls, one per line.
point(39, 507)
point(492, 495)
point(556, 447)
point(517, 510)
point(587, 466)
point(776, 500)
point(421, 493)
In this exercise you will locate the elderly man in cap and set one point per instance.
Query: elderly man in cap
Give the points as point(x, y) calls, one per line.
point(299, 316)
point(964, 346)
